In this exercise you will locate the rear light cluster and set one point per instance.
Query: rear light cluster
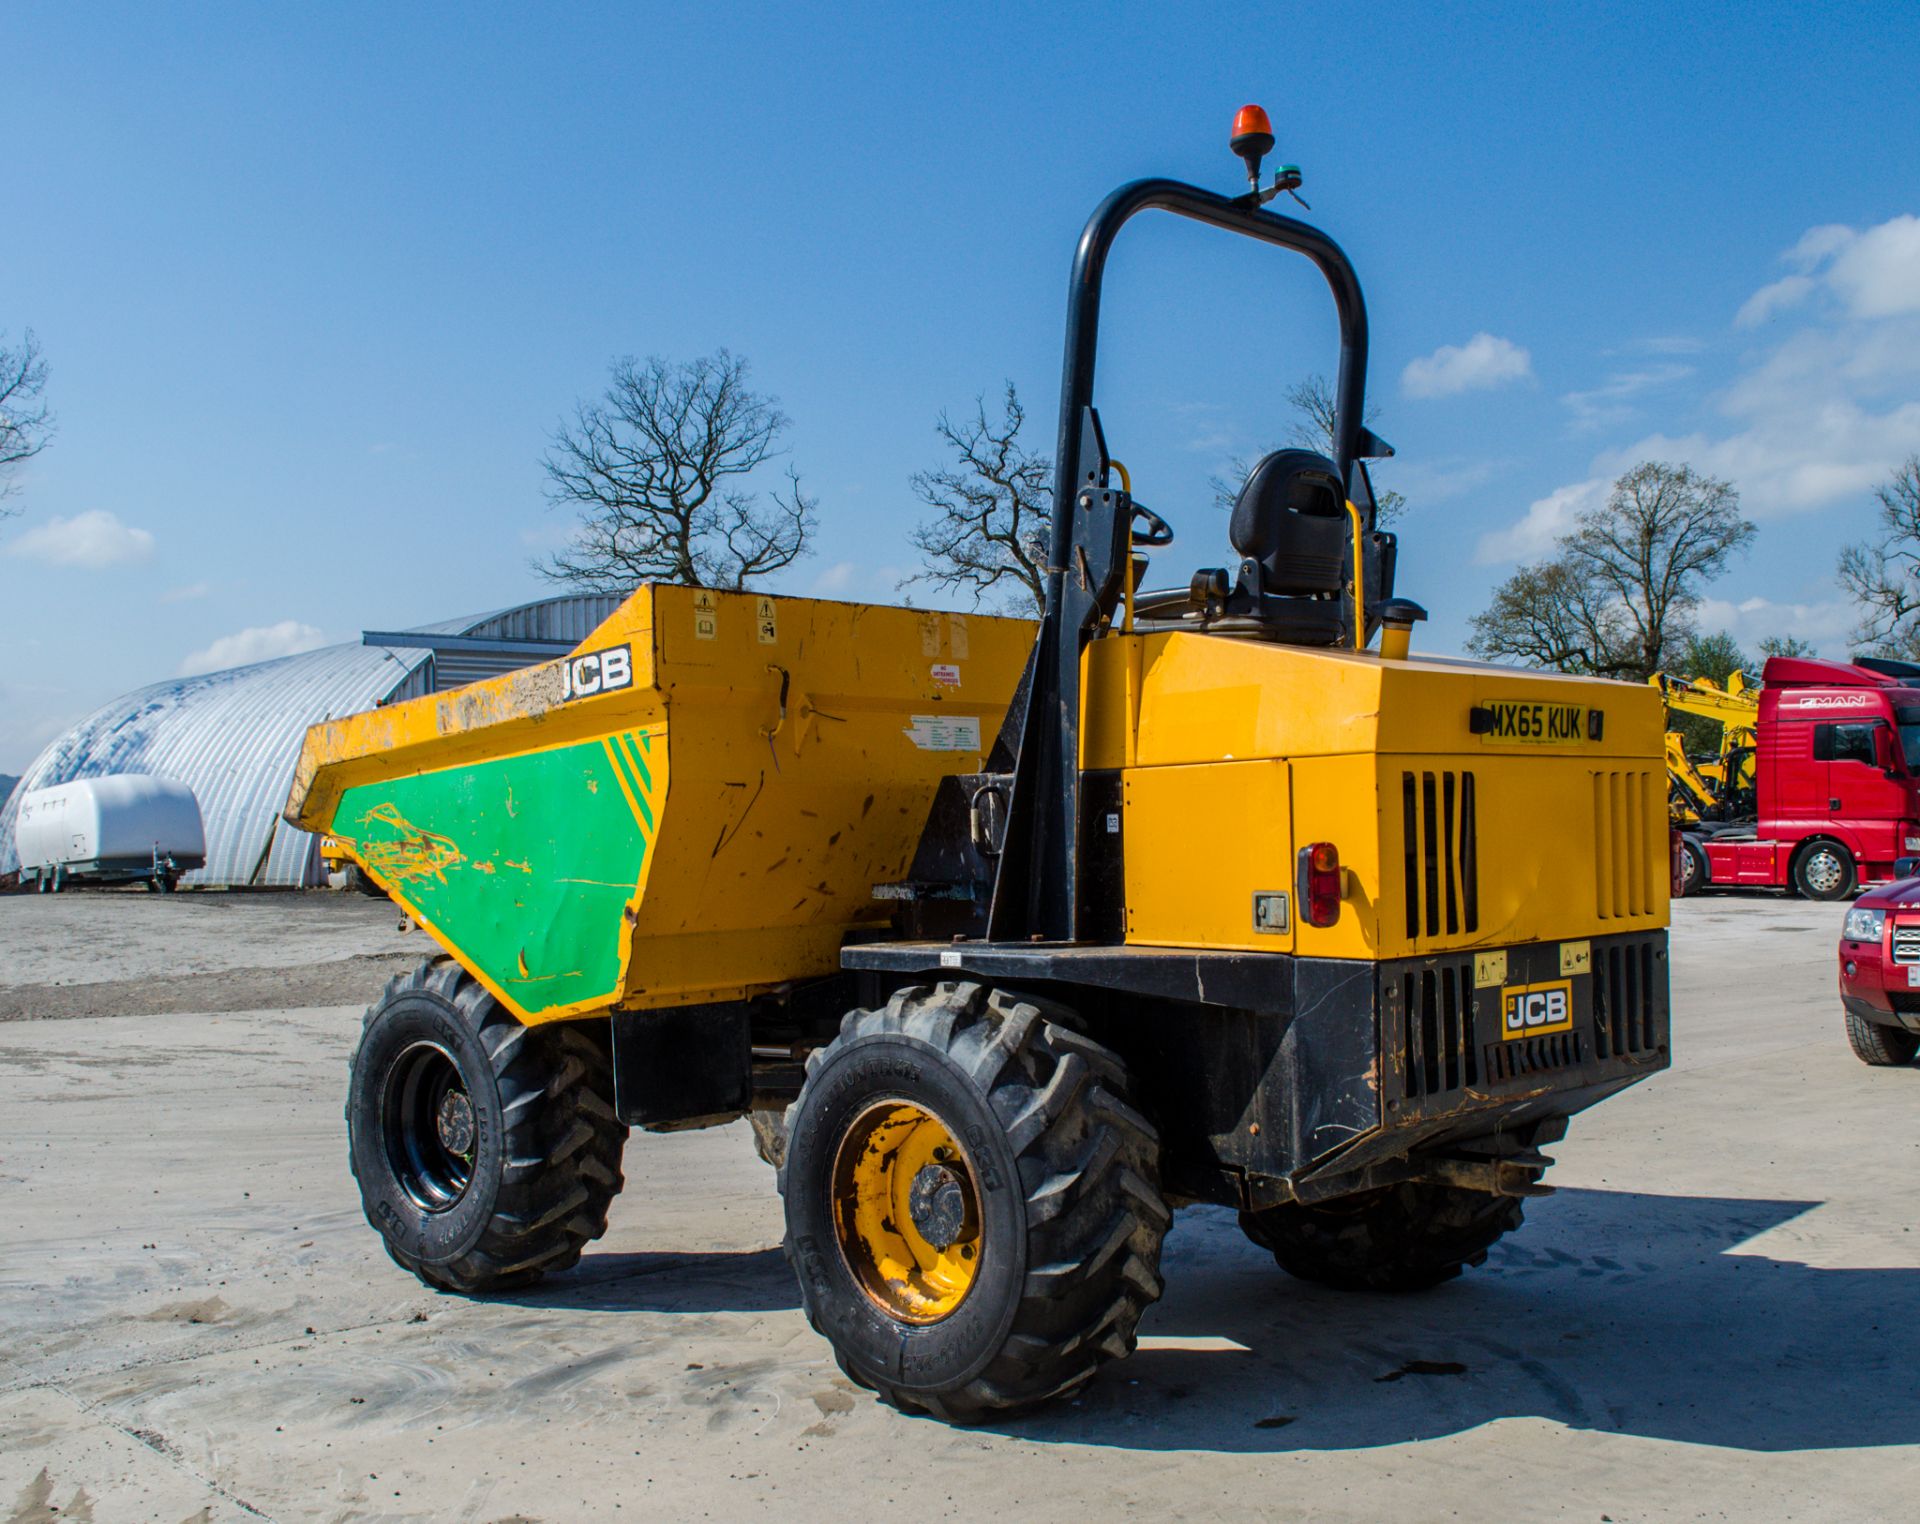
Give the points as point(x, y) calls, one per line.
point(1319, 884)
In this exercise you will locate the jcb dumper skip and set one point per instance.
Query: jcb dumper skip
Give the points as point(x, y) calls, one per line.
point(1235, 909)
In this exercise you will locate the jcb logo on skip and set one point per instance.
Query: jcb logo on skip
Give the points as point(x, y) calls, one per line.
point(596, 672)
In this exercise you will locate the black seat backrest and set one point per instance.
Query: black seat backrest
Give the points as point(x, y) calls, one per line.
point(1291, 518)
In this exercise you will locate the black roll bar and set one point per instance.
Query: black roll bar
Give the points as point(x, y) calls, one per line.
point(1036, 890)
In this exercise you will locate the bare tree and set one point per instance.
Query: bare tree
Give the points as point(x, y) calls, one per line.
point(1554, 615)
point(652, 468)
point(25, 423)
point(1312, 402)
point(1618, 599)
point(992, 511)
point(1883, 573)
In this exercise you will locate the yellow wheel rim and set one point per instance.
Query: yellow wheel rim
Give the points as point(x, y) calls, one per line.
point(906, 1212)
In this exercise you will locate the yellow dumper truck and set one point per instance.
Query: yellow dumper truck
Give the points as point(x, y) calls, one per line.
point(1011, 940)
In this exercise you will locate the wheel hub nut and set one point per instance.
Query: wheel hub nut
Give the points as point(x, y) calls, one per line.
point(454, 1122)
point(938, 1203)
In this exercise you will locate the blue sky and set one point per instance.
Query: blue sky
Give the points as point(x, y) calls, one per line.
point(316, 284)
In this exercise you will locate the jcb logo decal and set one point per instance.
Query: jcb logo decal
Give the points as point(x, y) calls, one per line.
point(596, 672)
point(1534, 1010)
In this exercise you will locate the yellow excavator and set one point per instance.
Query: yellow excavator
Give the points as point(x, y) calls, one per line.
point(1721, 786)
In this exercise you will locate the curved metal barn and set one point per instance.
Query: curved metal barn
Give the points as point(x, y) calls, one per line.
point(233, 737)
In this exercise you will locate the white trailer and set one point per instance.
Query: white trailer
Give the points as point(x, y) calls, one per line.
point(119, 829)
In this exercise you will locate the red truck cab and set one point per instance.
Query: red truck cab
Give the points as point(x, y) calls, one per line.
point(1836, 781)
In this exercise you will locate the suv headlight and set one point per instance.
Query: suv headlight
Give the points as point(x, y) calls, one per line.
point(1864, 925)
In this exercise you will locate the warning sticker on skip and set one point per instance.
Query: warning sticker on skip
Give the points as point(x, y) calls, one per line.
point(939, 732)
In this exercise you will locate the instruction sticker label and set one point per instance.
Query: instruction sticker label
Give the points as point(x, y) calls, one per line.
point(706, 615)
point(763, 622)
point(947, 674)
point(939, 732)
point(957, 636)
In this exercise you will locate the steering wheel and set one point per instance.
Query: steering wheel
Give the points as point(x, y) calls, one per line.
point(1159, 531)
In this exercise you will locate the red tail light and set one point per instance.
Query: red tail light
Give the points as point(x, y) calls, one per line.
point(1319, 884)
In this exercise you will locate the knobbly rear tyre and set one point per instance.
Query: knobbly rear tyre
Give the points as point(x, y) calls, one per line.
point(1405, 1237)
point(1063, 1182)
point(541, 1162)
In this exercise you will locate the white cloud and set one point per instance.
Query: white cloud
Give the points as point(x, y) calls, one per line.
point(1483, 361)
point(1788, 291)
point(1826, 624)
point(1878, 273)
point(259, 643)
point(833, 581)
point(93, 539)
point(1871, 274)
point(1541, 526)
point(1608, 402)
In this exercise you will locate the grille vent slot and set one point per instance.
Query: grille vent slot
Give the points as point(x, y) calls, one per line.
point(1623, 864)
point(1623, 999)
point(1530, 1055)
point(1906, 944)
point(1440, 832)
point(1441, 1052)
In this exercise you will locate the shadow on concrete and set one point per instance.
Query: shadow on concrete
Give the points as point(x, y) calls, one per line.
point(1608, 1311)
point(756, 1280)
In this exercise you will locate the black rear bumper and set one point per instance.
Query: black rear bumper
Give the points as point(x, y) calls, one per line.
point(1271, 1076)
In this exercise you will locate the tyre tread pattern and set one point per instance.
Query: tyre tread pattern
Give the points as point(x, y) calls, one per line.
point(1089, 1167)
point(1405, 1237)
point(562, 1147)
point(1881, 1046)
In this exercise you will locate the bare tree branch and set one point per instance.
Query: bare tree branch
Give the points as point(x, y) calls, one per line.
point(25, 423)
point(1618, 599)
point(1884, 573)
point(651, 467)
point(1314, 408)
point(992, 511)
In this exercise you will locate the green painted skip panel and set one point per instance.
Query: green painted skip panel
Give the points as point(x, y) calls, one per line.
point(524, 864)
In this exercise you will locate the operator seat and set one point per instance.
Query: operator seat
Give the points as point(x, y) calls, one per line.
point(1291, 529)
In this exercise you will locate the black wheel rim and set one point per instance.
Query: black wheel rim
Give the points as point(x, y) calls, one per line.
point(427, 1118)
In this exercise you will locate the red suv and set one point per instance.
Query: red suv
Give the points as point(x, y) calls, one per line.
point(1880, 972)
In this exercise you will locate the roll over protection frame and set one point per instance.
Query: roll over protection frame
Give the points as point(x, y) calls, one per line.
point(1036, 891)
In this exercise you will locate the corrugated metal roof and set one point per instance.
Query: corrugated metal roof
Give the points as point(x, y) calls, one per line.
point(233, 737)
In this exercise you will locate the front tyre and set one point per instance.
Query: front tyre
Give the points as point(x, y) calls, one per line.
point(1405, 1237)
point(486, 1152)
point(1882, 1046)
point(973, 1209)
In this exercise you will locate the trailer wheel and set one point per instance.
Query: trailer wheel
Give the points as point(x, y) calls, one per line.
point(973, 1209)
point(1693, 867)
point(486, 1152)
point(1883, 1047)
point(1405, 1237)
point(1824, 871)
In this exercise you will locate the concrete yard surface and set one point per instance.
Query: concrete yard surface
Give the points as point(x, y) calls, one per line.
point(1717, 1316)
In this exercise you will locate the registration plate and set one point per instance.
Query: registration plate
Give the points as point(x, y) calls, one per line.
point(1533, 722)
point(1535, 1010)
point(1913, 976)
